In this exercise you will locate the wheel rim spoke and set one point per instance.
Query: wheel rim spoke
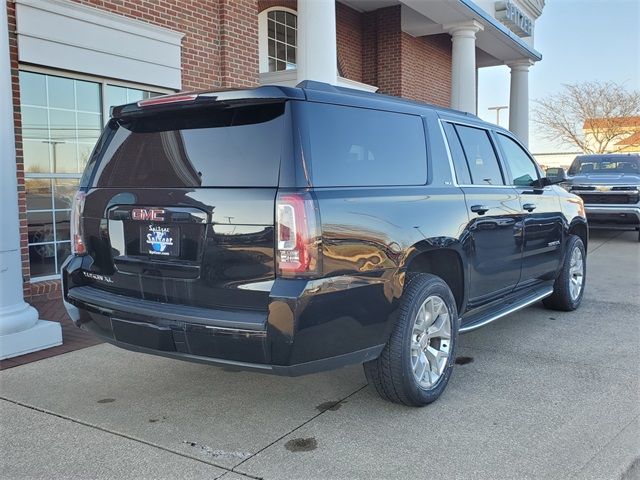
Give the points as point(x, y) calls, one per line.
point(430, 341)
point(421, 366)
point(440, 328)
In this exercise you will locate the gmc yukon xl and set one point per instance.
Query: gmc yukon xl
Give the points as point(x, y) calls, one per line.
point(293, 230)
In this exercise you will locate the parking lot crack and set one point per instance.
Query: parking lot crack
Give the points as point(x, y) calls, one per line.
point(120, 434)
point(322, 412)
point(630, 468)
point(591, 252)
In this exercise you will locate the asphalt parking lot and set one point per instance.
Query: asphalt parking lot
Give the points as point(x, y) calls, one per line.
point(539, 394)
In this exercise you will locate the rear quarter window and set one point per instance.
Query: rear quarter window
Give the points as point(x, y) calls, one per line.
point(362, 147)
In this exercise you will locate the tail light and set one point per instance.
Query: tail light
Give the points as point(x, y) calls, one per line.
point(77, 238)
point(298, 235)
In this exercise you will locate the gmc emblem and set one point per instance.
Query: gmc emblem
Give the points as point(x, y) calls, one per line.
point(151, 214)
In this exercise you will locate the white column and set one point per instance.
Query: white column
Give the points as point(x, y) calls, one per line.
point(463, 64)
point(519, 99)
point(20, 330)
point(317, 57)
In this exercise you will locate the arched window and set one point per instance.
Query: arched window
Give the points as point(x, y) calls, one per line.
point(278, 31)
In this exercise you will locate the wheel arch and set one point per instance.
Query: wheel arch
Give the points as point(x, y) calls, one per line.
point(445, 262)
point(579, 227)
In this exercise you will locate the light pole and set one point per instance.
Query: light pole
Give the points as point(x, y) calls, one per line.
point(498, 109)
point(55, 143)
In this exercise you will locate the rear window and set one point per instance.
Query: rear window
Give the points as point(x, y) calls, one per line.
point(362, 147)
point(232, 147)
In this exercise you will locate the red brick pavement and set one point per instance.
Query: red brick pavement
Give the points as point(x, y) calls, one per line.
point(72, 337)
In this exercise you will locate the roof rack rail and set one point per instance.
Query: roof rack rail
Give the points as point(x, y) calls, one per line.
point(329, 88)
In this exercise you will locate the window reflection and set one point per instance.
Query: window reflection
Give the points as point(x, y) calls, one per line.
point(61, 121)
point(65, 191)
point(37, 156)
point(38, 193)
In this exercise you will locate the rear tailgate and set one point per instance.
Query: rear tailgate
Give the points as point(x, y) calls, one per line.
point(180, 207)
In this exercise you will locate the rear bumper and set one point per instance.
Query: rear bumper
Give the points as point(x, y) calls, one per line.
point(310, 326)
point(613, 216)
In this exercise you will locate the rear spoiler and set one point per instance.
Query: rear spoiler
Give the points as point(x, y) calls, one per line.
point(222, 99)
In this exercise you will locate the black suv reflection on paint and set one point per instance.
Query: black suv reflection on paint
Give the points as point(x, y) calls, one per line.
point(293, 230)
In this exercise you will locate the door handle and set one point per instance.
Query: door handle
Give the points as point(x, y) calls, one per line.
point(529, 207)
point(479, 209)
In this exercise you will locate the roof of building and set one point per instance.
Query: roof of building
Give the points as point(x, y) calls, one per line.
point(633, 139)
point(591, 123)
point(528, 50)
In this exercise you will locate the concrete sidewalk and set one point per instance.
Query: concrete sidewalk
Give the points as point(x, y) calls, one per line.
point(539, 394)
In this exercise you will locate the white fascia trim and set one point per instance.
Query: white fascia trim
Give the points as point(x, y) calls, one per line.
point(289, 78)
point(98, 50)
point(106, 19)
point(346, 82)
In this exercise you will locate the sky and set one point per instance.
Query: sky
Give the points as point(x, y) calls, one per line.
point(580, 40)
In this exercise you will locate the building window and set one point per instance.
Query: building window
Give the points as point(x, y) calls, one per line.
point(61, 120)
point(282, 41)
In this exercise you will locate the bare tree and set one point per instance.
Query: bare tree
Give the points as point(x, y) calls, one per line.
point(588, 115)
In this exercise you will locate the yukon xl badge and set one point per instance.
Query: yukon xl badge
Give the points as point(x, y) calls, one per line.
point(96, 276)
point(160, 240)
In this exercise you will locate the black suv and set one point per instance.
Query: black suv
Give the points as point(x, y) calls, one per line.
point(292, 230)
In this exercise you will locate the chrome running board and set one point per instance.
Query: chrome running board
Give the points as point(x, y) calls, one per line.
point(509, 308)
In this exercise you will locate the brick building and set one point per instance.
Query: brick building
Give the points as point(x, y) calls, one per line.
point(70, 60)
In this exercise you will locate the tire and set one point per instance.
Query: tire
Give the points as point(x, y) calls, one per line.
point(392, 373)
point(563, 298)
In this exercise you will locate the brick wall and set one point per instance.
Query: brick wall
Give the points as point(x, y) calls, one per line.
point(383, 50)
point(399, 64)
point(349, 42)
point(426, 68)
point(264, 4)
point(17, 119)
point(220, 46)
point(238, 43)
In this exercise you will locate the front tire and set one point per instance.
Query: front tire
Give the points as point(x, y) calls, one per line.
point(415, 365)
point(568, 288)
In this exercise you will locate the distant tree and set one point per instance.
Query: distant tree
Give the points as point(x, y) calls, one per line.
point(590, 115)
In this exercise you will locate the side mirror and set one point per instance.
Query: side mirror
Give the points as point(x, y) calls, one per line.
point(555, 175)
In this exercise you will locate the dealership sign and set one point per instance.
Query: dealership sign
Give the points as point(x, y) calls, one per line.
point(514, 18)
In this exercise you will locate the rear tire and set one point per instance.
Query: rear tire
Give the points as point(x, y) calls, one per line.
point(415, 365)
point(568, 288)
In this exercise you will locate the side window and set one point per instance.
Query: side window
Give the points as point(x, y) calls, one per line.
point(523, 170)
point(362, 147)
point(457, 155)
point(481, 158)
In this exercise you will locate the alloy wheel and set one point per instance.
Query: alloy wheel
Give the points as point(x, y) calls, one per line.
point(430, 341)
point(576, 272)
